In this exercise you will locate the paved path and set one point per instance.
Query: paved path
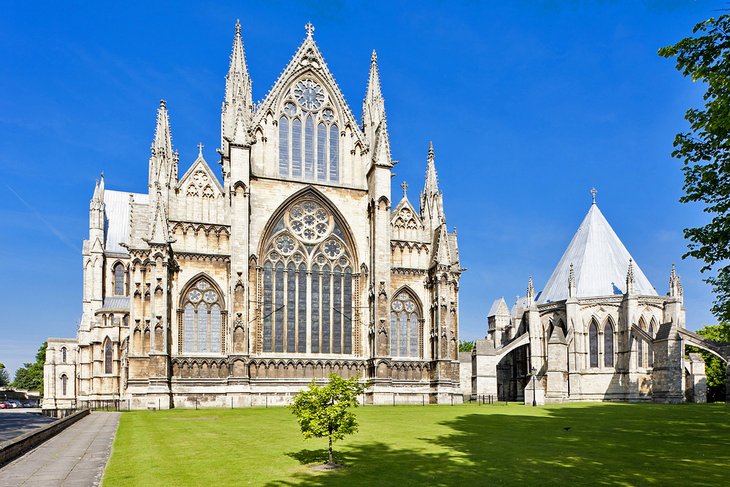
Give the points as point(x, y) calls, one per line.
point(15, 422)
point(75, 457)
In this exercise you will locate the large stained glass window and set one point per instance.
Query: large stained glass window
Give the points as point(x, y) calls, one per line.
point(608, 360)
point(307, 283)
point(593, 344)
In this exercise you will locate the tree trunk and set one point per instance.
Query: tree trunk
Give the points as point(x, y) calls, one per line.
point(331, 461)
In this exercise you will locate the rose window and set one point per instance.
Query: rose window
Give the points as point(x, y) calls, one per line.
point(309, 221)
point(195, 295)
point(309, 94)
point(210, 296)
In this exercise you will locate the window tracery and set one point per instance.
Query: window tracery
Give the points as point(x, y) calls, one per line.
point(404, 326)
point(308, 135)
point(202, 320)
point(307, 283)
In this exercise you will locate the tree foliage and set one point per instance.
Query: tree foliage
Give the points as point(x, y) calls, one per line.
point(715, 368)
point(705, 151)
point(466, 346)
point(30, 375)
point(4, 377)
point(326, 411)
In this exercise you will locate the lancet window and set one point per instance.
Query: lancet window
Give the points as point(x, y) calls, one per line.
point(404, 326)
point(307, 283)
point(608, 347)
point(202, 318)
point(119, 288)
point(650, 351)
point(107, 356)
point(64, 355)
point(593, 343)
point(64, 384)
point(309, 146)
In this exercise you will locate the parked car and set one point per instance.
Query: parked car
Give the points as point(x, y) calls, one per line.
point(15, 403)
point(4, 405)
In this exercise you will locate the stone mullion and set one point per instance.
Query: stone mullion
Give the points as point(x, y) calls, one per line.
point(357, 303)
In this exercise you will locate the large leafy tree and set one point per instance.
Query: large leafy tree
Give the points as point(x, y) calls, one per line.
point(30, 375)
point(326, 411)
point(705, 151)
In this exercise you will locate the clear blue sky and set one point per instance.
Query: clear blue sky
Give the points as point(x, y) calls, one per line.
point(528, 104)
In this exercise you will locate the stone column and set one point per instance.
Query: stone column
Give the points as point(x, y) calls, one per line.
point(557, 367)
point(668, 373)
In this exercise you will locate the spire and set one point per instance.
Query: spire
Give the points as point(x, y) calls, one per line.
point(238, 102)
point(530, 291)
point(163, 160)
point(675, 284)
point(630, 280)
point(373, 116)
point(432, 184)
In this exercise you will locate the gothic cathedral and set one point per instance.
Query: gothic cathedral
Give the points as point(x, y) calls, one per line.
point(238, 290)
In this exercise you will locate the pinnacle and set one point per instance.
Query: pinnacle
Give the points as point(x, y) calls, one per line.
point(374, 57)
point(431, 186)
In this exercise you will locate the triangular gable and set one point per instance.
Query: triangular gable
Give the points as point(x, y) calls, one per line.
point(307, 58)
point(398, 212)
point(201, 165)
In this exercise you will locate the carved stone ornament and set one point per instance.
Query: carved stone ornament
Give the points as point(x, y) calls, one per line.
point(381, 290)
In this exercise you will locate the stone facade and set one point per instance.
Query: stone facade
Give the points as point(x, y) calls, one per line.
point(597, 332)
point(294, 264)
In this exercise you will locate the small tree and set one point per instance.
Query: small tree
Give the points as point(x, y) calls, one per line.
point(325, 411)
point(466, 346)
point(30, 375)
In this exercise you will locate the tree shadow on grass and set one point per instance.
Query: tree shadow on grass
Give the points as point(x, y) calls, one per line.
point(587, 445)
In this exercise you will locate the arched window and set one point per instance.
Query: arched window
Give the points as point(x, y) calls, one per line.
point(202, 318)
point(307, 283)
point(108, 356)
point(64, 356)
point(593, 343)
point(608, 344)
point(404, 329)
point(650, 351)
point(640, 346)
point(308, 135)
point(119, 279)
point(64, 384)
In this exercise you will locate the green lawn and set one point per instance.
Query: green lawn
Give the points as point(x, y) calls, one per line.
point(617, 444)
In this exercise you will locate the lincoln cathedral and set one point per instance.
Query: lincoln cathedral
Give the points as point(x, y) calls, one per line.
point(237, 283)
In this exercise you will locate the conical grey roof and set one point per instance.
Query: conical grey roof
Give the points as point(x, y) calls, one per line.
point(600, 262)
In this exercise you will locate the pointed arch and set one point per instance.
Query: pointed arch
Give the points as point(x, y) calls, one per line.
point(202, 306)
point(650, 351)
point(593, 343)
point(608, 343)
point(640, 345)
point(406, 312)
point(108, 356)
point(119, 276)
point(307, 279)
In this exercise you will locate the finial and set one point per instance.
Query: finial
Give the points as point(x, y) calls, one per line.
point(310, 29)
point(404, 185)
point(374, 57)
point(200, 149)
point(102, 177)
point(238, 27)
point(594, 191)
point(430, 148)
point(630, 271)
point(162, 104)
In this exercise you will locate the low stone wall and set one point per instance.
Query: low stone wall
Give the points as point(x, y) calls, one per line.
point(12, 449)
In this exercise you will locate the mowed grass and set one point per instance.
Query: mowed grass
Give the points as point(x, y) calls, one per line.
point(575, 444)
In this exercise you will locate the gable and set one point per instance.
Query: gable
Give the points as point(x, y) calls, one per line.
point(199, 180)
